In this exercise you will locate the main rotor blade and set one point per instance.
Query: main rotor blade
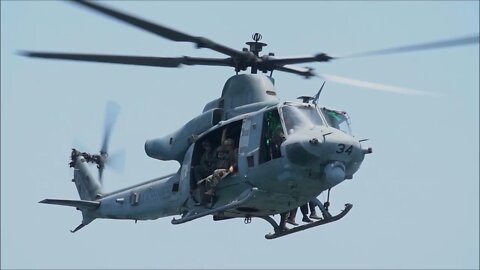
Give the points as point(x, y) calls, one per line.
point(306, 72)
point(321, 57)
point(163, 31)
point(420, 47)
point(170, 62)
point(374, 85)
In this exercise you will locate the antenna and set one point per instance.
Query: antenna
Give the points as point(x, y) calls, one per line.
point(315, 98)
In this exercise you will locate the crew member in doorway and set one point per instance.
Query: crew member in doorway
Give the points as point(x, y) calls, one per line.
point(206, 164)
point(226, 155)
point(225, 163)
point(277, 139)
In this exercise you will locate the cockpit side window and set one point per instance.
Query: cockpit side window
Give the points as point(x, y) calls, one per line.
point(338, 120)
point(272, 136)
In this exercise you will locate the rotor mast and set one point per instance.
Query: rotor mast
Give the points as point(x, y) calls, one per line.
point(255, 48)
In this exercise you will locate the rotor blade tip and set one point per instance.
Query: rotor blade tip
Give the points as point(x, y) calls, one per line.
point(24, 53)
point(375, 86)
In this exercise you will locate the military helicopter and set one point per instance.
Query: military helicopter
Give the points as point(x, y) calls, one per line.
point(285, 154)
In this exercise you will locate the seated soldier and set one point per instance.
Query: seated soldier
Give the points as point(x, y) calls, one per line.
point(224, 164)
point(205, 166)
point(202, 170)
point(226, 155)
point(211, 182)
point(213, 179)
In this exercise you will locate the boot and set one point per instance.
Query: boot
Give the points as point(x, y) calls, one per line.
point(291, 217)
point(314, 216)
point(283, 220)
point(292, 221)
point(306, 219)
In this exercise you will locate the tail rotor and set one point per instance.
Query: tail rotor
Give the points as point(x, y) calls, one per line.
point(111, 115)
point(115, 161)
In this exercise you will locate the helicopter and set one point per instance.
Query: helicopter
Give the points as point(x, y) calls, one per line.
point(317, 152)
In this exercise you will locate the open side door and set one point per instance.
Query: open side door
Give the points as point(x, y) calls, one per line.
point(258, 139)
point(181, 188)
point(248, 150)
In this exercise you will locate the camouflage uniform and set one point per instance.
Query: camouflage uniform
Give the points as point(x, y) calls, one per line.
point(213, 180)
point(206, 165)
point(226, 155)
point(202, 170)
point(225, 161)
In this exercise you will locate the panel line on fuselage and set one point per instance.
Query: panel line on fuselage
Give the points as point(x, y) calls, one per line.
point(138, 185)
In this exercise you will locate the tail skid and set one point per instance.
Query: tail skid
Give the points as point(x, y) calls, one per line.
point(86, 220)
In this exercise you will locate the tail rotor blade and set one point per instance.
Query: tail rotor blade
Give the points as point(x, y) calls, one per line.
point(100, 174)
point(111, 115)
point(79, 145)
point(113, 109)
point(116, 160)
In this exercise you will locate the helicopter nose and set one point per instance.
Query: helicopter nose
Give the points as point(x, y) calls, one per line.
point(323, 145)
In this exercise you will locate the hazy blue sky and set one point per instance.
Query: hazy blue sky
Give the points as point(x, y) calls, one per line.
point(416, 198)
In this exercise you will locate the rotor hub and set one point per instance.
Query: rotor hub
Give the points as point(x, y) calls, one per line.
point(256, 46)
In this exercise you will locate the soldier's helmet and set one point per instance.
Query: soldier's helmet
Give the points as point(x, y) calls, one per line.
point(228, 142)
point(278, 134)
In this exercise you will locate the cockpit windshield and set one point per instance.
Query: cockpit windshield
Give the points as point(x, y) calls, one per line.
point(338, 120)
point(300, 117)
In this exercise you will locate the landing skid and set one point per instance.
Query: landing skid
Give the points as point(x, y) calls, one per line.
point(200, 211)
point(327, 219)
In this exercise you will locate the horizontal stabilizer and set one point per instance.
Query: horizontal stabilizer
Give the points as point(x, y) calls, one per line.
point(82, 204)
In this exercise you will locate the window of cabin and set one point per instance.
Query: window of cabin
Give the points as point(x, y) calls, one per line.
point(272, 136)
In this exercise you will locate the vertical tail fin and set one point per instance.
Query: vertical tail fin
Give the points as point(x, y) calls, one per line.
point(88, 187)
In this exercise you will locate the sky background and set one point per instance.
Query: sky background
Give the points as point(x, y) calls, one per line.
point(415, 199)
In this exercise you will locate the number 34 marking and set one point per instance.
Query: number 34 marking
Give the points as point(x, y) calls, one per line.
point(342, 148)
